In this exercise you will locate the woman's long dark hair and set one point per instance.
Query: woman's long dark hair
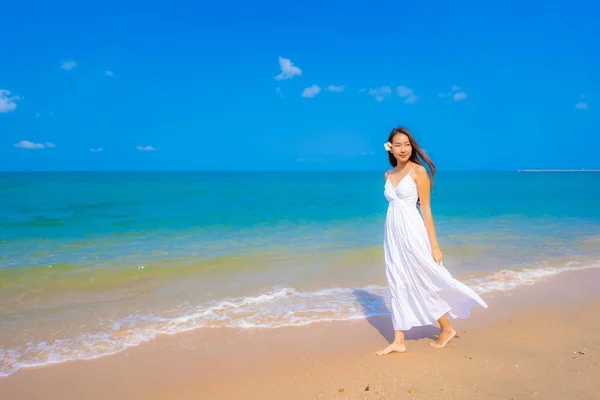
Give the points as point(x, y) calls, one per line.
point(418, 156)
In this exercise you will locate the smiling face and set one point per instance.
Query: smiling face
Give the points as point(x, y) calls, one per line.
point(401, 147)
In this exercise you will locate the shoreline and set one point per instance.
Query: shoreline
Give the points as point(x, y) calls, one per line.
point(272, 307)
point(336, 359)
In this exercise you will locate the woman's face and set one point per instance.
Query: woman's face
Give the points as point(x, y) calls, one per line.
point(401, 147)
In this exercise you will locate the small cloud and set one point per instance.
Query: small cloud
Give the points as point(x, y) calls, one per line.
point(408, 94)
point(7, 102)
point(411, 99)
point(37, 115)
point(311, 91)
point(145, 148)
point(459, 96)
point(336, 89)
point(310, 159)
point(456, 94)
point(380, 93)
point(288, 69)
point(109, 73)
point(96, 149)
point(26, 144)
point(68, 65)
point(582, 104)
point(278, 91)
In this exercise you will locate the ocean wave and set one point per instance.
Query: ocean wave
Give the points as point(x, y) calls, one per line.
point(279, 307)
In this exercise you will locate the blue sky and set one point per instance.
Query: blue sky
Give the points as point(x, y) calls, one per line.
point(186, 85)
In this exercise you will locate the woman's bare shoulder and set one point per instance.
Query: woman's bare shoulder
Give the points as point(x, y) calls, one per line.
point(419, 170)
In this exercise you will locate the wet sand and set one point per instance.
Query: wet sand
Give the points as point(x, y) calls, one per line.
point(539, 342)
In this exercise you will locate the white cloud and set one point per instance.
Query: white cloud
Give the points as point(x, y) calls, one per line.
point(407, 93)
point(26, 144)
point(145, 148)
point(582, 104)
point(7, 102)
point(278, 91)
point(459, 96)
point(336, 89)
point(288, 69)
point(456, 93)
point(96, 149)
point(311, 91)
point(109, 73)
point(380, 93)
point(68, 65)
point(310, 159)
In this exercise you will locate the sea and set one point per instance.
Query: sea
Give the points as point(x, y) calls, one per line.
point(93, 263)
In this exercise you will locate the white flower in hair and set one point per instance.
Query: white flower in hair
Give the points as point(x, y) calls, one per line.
point(387, 146)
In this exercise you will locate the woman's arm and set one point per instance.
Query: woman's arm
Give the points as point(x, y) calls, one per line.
point(424, 189)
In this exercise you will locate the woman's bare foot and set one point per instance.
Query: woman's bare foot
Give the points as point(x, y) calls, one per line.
point(393, 347)
point(444, 338)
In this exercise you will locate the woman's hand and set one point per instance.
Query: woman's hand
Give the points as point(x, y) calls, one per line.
point(437, 254)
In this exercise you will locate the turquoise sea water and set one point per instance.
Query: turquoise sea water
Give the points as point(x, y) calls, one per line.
point(93, 263)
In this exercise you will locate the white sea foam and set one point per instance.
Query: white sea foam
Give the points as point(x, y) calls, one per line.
point(279, 307)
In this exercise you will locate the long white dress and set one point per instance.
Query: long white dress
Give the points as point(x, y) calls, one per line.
point(421, 290)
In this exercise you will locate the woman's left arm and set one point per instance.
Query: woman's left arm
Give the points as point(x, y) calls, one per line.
point(424, 189)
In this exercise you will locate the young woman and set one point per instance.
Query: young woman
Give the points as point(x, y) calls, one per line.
point(422, 291)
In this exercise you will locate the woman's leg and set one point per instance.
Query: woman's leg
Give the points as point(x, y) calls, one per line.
point(446, 332)
point(397, 345)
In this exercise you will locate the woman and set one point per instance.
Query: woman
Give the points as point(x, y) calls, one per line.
point(422, 291)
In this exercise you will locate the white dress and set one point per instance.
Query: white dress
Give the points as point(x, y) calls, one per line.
point(421, 291)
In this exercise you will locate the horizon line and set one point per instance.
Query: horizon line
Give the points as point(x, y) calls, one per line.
point(558, 170)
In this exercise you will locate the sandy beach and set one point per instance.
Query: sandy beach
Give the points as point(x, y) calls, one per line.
point(536, 342)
